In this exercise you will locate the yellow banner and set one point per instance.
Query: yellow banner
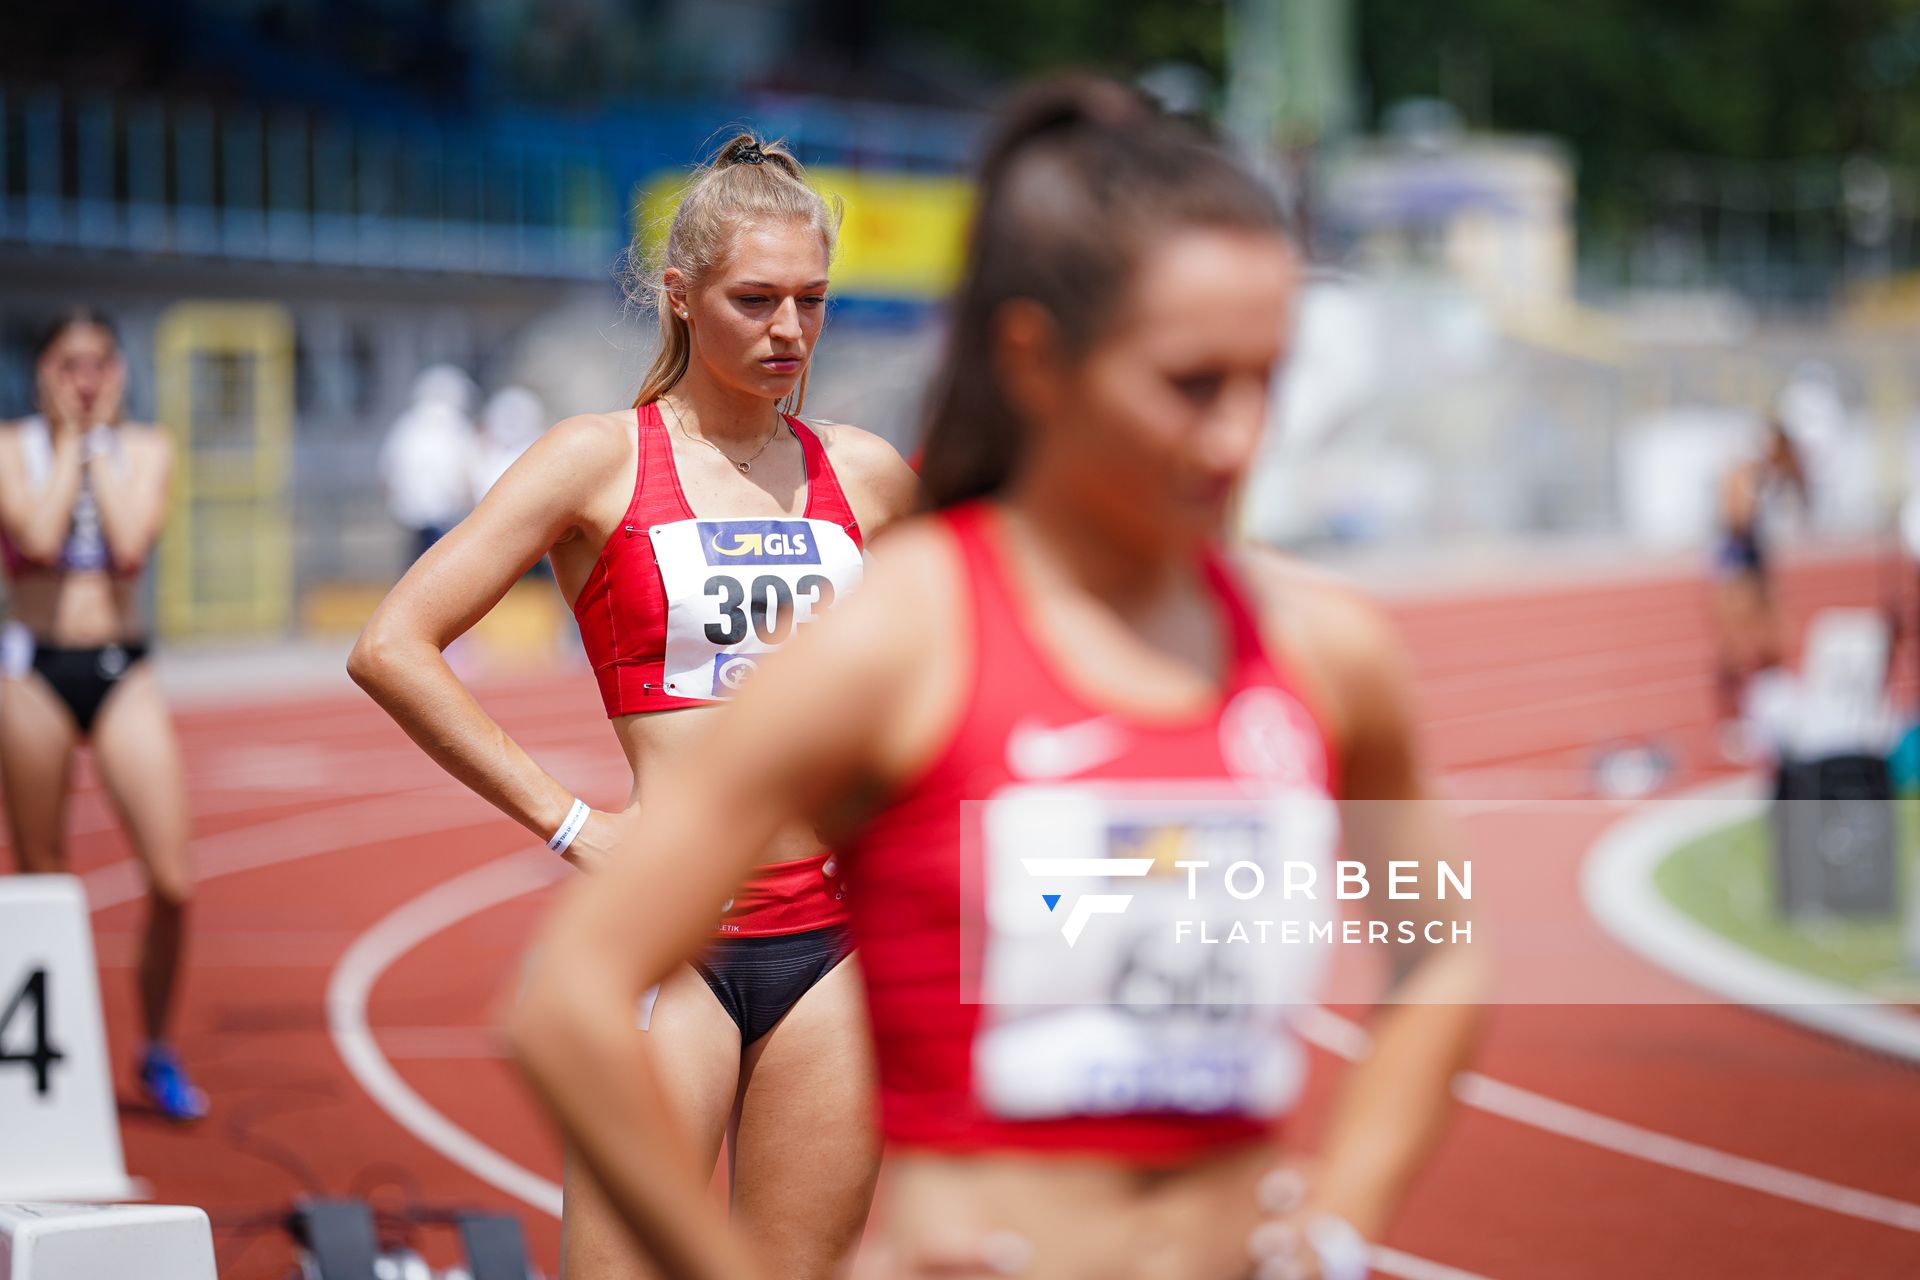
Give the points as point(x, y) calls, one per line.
point(902, 237)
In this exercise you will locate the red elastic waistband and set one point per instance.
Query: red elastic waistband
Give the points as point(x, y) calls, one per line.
point(787, 897)
point(1145, 1141)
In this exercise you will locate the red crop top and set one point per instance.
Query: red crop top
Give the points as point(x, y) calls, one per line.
point(1018, 999)
point(677, 606)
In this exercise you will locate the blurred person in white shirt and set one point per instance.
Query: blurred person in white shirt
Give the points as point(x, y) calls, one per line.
point(427, 461)
point(512, 419)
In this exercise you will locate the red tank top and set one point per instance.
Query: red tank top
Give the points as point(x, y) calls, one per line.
point(677, 607)
point(1004, 971)
point(622, 610)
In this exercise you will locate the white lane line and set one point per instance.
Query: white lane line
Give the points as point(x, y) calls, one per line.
point(1541, 1112)
point(446, 905)
point(440, 1044)
point(500, 881)
point(377, 771)
point(311, 834)
point(1616, 880)
point(1604, 665)
point(1337, 1035)
point(352, 981)
point(302, 835)
point(1555, 709)
point(352, 714)
point(1408, 1267)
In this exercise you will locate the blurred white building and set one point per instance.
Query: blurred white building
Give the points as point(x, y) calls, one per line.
point(1492, 213)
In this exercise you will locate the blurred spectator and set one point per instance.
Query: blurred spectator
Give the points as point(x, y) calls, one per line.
point(427, 461)
point(1747, 628)
point(511, 421)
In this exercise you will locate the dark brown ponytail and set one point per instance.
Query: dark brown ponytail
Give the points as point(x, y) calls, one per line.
point(1079, 180)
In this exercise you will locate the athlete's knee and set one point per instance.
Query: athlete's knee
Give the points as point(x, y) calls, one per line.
point(170, 888)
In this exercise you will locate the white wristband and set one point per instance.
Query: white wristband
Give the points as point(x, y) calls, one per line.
point(576, 818)
point(1341, 1250)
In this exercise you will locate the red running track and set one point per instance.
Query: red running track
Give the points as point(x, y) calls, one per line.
point(315, 820)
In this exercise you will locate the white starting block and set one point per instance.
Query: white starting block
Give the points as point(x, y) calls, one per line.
point(105, 1242)
point(59, 1130)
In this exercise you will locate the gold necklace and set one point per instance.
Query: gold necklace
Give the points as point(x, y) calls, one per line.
point(744, 466)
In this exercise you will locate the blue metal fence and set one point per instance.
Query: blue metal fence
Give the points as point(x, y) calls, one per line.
point(517, 194)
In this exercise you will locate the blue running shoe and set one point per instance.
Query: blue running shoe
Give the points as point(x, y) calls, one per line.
point(167, 1086)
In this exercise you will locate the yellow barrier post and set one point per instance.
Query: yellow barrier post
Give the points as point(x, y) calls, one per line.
point(226, 394)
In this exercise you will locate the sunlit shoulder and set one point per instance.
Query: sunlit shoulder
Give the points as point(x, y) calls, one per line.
point(871, 464)
point(588, 440)
point(1346, 645)
point(851, 447)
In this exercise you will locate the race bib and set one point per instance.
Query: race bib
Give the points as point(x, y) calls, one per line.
point(1136, 953)
point(736, 589)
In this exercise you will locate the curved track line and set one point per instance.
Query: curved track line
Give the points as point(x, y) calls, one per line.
point(391, 937)
point(297, 836)
point(1409, 1267)
point(1616, 880)
point(445, 905)
point(1347, 1039)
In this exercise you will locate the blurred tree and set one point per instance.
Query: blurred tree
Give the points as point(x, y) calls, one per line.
point(1021, 37)
point(1623, 79)
point(1619, 80)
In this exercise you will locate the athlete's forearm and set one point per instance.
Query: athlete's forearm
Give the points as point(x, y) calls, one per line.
point(131, 510)
point(1394, 1103)
point(571, 1034)
point(413, 683)
point(37, 521)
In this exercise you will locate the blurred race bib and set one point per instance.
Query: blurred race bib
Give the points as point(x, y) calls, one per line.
point(1135, 954)
point(736, 589)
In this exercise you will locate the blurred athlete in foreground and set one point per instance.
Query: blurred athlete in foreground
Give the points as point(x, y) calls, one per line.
point(1054, 700)
point(692, 534)
point(83, 495)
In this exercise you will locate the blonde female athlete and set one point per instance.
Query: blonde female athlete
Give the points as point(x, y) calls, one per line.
point(83, 495)
point(692, 534)
point(1059, 724)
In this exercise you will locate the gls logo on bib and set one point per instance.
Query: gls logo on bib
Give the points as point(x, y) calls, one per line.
point(758, 542)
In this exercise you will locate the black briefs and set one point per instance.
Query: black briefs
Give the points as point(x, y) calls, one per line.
point(82, 678)
point(757, 980)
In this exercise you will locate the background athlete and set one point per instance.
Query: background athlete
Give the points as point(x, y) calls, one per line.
point(1746, 621)
point(690, 535)
point(1057, 661)
point(83, 496)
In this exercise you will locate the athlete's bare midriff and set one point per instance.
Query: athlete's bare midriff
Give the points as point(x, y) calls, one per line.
point(76, 609)
point(649, 738)
point(1085, 1219)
